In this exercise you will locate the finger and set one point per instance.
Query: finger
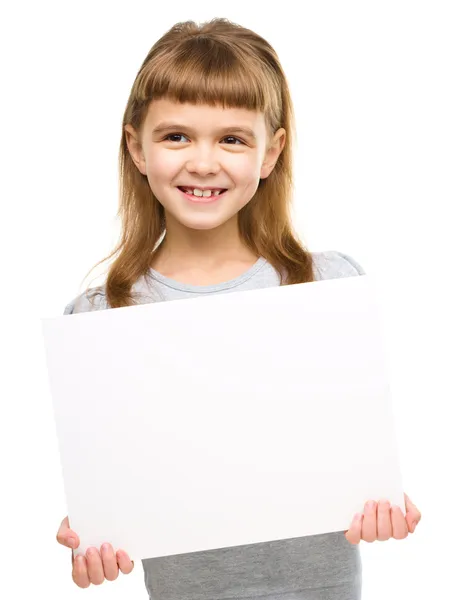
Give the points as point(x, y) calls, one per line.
point(353, 535)
point(412, 520)
point(125, 564)
point(412, 524)
point(369, 530)
point(66, 536)
point(384, 527)
point(94, 566)
point(80, 573)
point(110, 566)
point(398, 523)
point(413, 514)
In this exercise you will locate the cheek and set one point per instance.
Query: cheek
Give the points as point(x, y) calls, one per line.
point(243, 167)
point(247, 174)
point(161, 165)
point(161, 170)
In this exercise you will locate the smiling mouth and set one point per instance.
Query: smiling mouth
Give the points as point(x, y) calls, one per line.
point(213, 192)
point(202, 199)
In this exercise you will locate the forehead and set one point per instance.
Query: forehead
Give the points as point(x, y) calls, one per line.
point(204, 115)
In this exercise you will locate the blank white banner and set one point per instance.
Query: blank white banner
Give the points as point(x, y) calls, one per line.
point(225, 420)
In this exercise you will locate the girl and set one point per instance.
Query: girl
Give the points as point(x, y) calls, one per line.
point(206, 184)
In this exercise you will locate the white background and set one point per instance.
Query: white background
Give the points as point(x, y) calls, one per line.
point(377, 94)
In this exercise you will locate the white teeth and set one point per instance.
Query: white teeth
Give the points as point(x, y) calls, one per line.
point(205, 193)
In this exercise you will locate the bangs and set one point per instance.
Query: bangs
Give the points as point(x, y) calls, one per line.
point(201, 70)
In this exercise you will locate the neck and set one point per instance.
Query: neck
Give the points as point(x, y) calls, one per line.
point(204, 249)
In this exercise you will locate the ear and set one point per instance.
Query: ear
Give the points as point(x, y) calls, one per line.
point(132, 138)
point(272, 153)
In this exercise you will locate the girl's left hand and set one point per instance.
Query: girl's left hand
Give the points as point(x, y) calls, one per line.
point(380, 521)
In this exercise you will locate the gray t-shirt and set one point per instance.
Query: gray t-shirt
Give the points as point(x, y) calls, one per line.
point(320, 567)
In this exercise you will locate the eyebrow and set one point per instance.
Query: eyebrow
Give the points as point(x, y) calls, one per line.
point(164, 127)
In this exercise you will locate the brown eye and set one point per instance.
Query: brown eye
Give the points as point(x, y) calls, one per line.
point(231, 137)
point(172, 135)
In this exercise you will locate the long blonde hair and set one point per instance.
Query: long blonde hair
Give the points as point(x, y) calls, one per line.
point(215, 63)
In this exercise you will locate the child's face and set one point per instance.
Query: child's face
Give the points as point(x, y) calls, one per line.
point(200, 153)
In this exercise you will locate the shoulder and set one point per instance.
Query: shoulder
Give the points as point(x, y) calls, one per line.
point(90, 300)
point(95, 298)
point(332, 264)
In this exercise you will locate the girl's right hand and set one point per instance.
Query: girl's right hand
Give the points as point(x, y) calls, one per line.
point(95, 566)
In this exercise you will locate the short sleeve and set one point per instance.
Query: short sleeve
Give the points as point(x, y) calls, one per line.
point(332, 264)
point(91, 300)
point(351, 261)
point(69, 309)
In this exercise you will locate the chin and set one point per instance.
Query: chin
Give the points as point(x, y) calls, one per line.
point(202, 226)
point(202, 223)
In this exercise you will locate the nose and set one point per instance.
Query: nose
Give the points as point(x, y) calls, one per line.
point(203, 160)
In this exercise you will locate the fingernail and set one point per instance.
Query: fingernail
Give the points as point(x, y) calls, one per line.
point(370, 505)
point(105, 547)
point(123, 556)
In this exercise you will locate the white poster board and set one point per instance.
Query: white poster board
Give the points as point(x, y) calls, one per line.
point(224, 420)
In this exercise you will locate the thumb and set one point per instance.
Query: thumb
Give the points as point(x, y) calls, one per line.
point(66, 536)
point(413, 514)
